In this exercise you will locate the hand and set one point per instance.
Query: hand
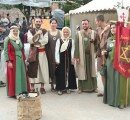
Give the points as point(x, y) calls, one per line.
point(73, 61)
point(39, 32)
point(57, 63)
point(91, 41)
point(103, 52)
point(77, 60)
point(10, 65)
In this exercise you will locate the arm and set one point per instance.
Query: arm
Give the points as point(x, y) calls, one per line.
point(43, 39)
point(6, 49)
point(57, 48)
point(30, 37)
point(72, 49)
point(76, 51)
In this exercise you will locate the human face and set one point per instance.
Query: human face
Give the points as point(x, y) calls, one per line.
point(85, 25)
point(38, 23)
point(66, 33)
point(98, 23)
point(53, 24)
point(15, 32)
point(113, 29)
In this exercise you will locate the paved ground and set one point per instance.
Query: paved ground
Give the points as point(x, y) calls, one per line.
point(74, 106)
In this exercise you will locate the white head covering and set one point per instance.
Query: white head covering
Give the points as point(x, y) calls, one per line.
point(65, 40)
point(12, 36)
point(62, 33)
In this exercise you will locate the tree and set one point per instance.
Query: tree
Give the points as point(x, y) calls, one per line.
point(81, 2)
point(73, 4)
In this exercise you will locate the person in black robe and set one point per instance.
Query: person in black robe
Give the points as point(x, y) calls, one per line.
point(64, 57)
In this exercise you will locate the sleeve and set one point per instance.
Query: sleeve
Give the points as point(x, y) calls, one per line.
point(43, 39)
point(6, 49)
point(30, 37)
point(96, 41)
point(76, 52)
point(57, 56)
point(72, 49)
point(20, 44)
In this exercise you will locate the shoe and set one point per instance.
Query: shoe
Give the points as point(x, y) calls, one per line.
point(32, 90)
point(2, 84)
point(68, 91)
point(59, 92)
point(100, 95)
point(42, 91)
point(79, 91)
point(96, 90)
point(121, 106)
point(53, 90)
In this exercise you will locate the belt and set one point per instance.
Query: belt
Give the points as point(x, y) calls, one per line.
point(41, 50)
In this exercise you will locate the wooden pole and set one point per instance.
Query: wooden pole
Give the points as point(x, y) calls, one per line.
point(127, 83)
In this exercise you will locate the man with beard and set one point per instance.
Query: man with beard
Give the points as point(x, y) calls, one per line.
point(38, 68)
point(85, 45)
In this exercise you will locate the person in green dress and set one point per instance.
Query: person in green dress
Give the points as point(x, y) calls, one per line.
point(14, 57)
point(115, 92)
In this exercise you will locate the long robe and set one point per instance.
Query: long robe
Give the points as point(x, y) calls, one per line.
point(65, 72)
point(16, 76)
point(50, 51)
point(86, 68)
point(115, 84)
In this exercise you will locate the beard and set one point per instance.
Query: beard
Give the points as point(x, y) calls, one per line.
point(86, 28)
point(38, 26)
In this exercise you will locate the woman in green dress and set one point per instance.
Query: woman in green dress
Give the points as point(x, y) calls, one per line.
point(14, 56)
point(115, 87)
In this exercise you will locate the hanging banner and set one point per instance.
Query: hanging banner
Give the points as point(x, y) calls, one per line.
point(122, 50)
point(123, 15)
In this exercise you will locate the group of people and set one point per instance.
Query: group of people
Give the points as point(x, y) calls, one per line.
point(56, 58)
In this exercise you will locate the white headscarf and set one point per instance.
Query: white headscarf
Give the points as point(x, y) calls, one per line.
point(12, 36)
point(65, 40)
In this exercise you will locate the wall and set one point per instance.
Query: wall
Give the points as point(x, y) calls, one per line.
point(76, 19)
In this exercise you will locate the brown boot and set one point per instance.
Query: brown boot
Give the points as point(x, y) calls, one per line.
point(42, 91)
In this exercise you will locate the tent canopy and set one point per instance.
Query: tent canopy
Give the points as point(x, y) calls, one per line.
point(33, 3)
point(99, 5)
point(90, 11)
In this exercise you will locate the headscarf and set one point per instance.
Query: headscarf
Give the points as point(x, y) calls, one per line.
point(12, 36)
point(65, 40)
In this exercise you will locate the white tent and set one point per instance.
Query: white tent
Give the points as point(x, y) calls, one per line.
point(33, 3)
point(94, 7)
point(98, 5)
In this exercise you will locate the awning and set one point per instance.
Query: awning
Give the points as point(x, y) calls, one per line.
point(33, 3)
point(99, 5)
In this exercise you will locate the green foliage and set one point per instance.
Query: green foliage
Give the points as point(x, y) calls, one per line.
point(6, 6)
point(73, 4)
point(67, 22)
point(82, 2)
point(69, 6)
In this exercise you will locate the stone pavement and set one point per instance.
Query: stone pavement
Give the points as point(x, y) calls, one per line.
point(74, 106)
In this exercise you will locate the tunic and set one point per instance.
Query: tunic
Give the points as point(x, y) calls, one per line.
point(102, 42)
point(38, 70)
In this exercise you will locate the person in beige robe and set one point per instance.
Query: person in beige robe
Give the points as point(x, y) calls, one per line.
point(38, 38)
point(85, 58)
